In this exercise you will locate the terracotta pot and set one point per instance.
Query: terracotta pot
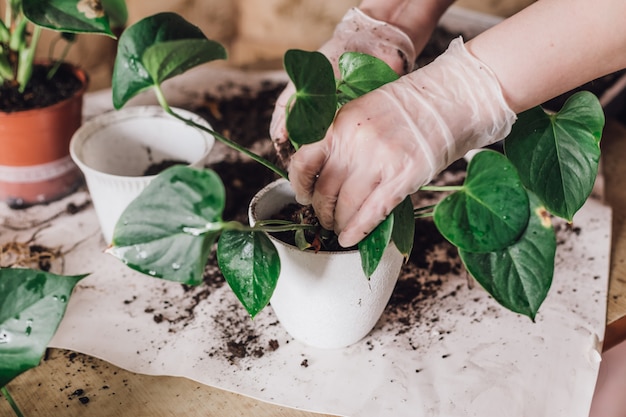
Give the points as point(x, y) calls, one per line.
point(115, 149)
point(35, 166)
point(324, 299)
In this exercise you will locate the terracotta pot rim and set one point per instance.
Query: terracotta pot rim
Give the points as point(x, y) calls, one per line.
point(79, 72)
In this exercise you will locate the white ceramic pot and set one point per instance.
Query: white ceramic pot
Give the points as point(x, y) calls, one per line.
point(114, 150)
point(324, 299)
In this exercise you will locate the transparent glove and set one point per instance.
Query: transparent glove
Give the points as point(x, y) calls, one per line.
point(391, 141)
point(357, 32)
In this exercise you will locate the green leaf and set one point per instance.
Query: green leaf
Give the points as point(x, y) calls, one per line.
point(147, 54)
point(168, 230)
point(300, 240)
point(117, 12)
point(168, 59)
point(32, 304)
point(519, 276)
point(316, 97)
point(250, 263)
point(360, 74)
point(404, 227)
point(373, 245)
point(557, 156)
point(490, 212)
point(68, 15)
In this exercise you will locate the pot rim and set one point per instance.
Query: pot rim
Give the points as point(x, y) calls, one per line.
point(252, 219)
point(78, 71)
point(81, 135)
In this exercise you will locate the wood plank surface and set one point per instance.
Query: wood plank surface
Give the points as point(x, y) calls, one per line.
point(614, 170)
point(70, 384)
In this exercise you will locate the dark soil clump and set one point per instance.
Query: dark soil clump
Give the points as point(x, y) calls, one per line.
point(40, 92)
point(158, 167)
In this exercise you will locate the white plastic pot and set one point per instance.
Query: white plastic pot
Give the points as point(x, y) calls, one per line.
point(324, 299)
point(114, 150)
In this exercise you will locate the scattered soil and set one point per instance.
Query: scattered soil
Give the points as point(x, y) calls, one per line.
point(422, 284)
point(40, 91)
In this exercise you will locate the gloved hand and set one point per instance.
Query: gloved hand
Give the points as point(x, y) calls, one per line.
point(386, 144)
point(357, 32)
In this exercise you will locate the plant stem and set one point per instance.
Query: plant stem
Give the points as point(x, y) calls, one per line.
point(441, 188)
point(425, 208)
point(221, 138)
point(421, 212)
point(59, 60)
point(12, 403)
point(423, 215)
point(270, 226)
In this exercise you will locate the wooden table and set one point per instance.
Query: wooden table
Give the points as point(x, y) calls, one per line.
point(71, 384)
point(614, 169)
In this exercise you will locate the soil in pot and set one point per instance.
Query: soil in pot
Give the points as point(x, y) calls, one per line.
point(40, 91)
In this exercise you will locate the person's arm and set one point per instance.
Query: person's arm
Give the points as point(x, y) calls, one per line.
point(466, 99)
point(552, 47)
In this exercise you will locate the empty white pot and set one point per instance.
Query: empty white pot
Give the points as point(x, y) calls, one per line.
point(114, 150)
point(324, 299)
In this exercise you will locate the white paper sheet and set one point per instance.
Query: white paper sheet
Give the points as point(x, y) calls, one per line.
point(456, 353)
point(442, 348)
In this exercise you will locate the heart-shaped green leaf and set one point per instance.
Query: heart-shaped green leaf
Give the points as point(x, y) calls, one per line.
point(557, 155)
point(168, 230)
point(250, 263)
point(403, 232)
point(519, 276)
point(360, 74)
point(373, 245)
point(32, 304)
point(165, 60)
point(315, 99)
point(156, 48)
point(68, 15)
point(490, 212)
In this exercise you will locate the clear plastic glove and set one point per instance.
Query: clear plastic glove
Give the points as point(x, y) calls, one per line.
point(357, 32)
point(386, 144)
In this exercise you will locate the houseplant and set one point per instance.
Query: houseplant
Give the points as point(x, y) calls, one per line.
point(499, 218)
point(41, 100)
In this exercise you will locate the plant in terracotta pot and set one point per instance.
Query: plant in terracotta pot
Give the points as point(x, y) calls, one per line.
point(41, 100)
point(499, 218)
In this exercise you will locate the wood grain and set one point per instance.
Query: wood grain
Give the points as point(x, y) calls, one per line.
point(614, 169)
point(69, 384)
